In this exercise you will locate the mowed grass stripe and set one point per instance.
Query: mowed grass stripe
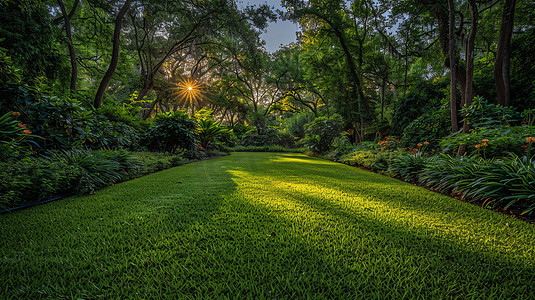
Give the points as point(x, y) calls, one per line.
point(265, 225)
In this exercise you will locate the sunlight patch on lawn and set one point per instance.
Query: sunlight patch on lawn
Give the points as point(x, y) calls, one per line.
point(313, 203)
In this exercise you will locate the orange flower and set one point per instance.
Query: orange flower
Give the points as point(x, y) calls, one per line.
point(484, 140)
point(530, 139)
point(477, 146)
point(22, 125)
point(426, 143)
point(419, 145)
point(16, 114)
point(27, 132)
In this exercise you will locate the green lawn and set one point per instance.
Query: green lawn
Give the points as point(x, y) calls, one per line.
point(265, 225)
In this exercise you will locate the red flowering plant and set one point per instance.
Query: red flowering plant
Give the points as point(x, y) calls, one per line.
point(389, 143)
point(419, 150)
point(13, 135)
point(481, 147)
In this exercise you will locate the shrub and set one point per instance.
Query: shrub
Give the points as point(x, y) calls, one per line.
point(269, 137)
point(123, 113)
point(112, 135)
point(240, 130)
point(62, 122)
point(501, 141)
point(31, 179)
point(208, 130)
point(156, 161)
point(408, 166)
point(172, 132)
point(321, 133)
point(342, 146)
point(13, 136)
point(286, 140)
point(481, 114)
point(419, 99)
point(359, 159)
point(429, 127)
point(389, 144)
point(383, 161)
point(97, 168)
point(295, 125)
point(501, 182)
point(227, 139)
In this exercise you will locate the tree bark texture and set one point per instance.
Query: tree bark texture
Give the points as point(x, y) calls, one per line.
point(502, 65)
point(115, 55)
point(453, 67)
point(470, 51)
point(68, 34)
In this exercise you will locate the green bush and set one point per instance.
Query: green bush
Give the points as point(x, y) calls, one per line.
point(295, 125)
point(321, 133)
point(421, 98)
point(13, 136)
point(286, 140)
point(341, 146)
point(156, 161)
point(98, 168)
point(359, 159)
point(269, 137)
point(240, 130)
point(409, 165)
point(501, 141)
point(124, 114)
point(31, 179)
point(208, 131)
point(378, 161)
point(429, 127)
point(481, 114)
point(172, 132)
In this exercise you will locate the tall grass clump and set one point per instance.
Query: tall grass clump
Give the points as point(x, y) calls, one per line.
point(500, 182)
point(97, 168)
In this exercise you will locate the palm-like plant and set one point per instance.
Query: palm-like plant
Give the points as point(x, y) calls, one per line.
point(208, 130)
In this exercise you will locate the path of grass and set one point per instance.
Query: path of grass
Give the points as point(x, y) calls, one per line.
point(265, 225)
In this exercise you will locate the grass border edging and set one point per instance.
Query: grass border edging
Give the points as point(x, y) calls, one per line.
point(142, 174)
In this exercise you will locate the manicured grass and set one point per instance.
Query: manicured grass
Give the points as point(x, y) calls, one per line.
point(265, 225)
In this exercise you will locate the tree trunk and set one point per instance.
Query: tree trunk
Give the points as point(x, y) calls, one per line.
point(114, 57)
point(383, 91)
point(72, 54)
point(453, 67)
point(502, 65)
point(470, 91)
point(469, 87)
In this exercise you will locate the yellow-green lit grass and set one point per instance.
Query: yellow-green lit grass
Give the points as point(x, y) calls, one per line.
point(265, 225)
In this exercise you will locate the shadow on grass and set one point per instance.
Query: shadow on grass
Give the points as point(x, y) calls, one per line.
point(257, 225)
